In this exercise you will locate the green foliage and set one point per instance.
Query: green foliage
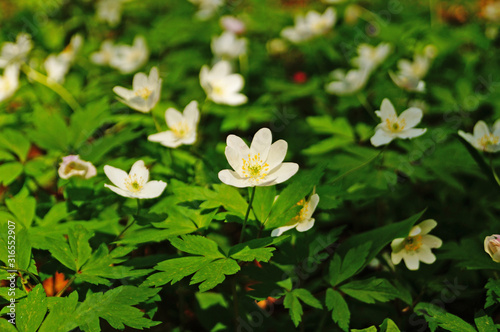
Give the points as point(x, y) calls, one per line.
point(292, 303)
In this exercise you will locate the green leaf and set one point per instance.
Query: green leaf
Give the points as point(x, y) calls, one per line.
point(79, 245)
point(327, 125)
point(351, 264)
point(370, 290)
point(305, 296)
point(31, 310)
point(22, 208)
point(263, 202)
point(256, 249)
point(214, 273)
point(389, 326)
point(340, 311)
point(445, 320)
point(368, 329)
point(5, 326)
point(328, 145)
point(60, 315)
point(484, 322)
point(23, 248)
point(16, 142)
point(85, 122)
point(229, 197)
point(176, 269)
point(51, 132)
point(492, 293)
point(9, 172)
point(197, 245)
point(292, 303)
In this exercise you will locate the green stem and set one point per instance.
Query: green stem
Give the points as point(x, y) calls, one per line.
point(157, 125)
point(495, 175)
point(70, 281)
point(247, 214)
point(366, 106)
point(132, 223)
point(21, 270)
point(54, 86)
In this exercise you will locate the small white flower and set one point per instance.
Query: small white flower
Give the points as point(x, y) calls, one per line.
point(408, 83)
point(57, 66)
point(231, 23)
point(416, 246)
point(105, 54)
point(492, 246)
point(312, 25)
point(260, 165)
point(228, 45)
point(110, 11)
point(418, 68)
point(221, 86)
point(128, 59)
point(16, 53)
point(347, 83)
point(372, 56)
point(182, 127)
point(393, 126)
point(145, 91)
point(136, 184)
point(482, 139)
point(9, 82)
point(206, 8)
point(72, 165)
point(302, 221)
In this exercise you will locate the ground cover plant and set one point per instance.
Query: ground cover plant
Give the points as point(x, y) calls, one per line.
point(249, 165)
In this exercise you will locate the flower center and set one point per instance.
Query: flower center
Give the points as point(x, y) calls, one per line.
point(319, 26)
point(300, 217)
point(413, 243)
point(254, 168)
point(144, 93)
point(488, 139)
point(134, 184)
point(75, 166)
point(180, 130)
point(395, 125)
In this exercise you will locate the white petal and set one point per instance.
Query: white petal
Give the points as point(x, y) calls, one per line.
point(496, 127)
point(468, 137)
point(166, 138)
point(396, 257)
point(481, 129)
point(283, 172)
point(411, 261)
point(411, 133)
point(234, 159)
point(232, 178)
point(154, 76)
point(221, 69)
point(305, 225)
point(238, 144)
point(431, 241)
point(123, 92)
point(311, 205)
point(119, 191)
point(261, 143)
point(425, 255)
point(280, 230)
point(411, 117)
point(396, 243)
point(277, 153)
point(381, 137)
point(427, 225)
point(152, 189)
point(173, 117)
point(387, 110)
point(140, 81)
point(116, 176)
point(232, 99)
point(233, 83)
point(140, 171)
point(191, 113)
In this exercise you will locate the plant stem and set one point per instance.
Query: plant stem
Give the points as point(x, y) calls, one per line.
point(247, 214)
point(21, 270)
point(70, 281)
point(366, 106)
point(54, 86)
point(133, 221)
point(495, 175)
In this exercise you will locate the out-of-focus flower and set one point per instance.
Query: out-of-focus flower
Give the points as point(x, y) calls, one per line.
point(261, 164)
point(16, 53)
point(228, 45)
point(182, 127)
point(221, 86)
point(57, 66)
point(418, 68)
point(72, 165)
point(145, 91)
point(276, 46)
point(347, 83)
point(393, 126)
point(110, 11)
point(371, 57)
point(416, 246)
point(206, 8)
point(492, 246)
point(352, 14)
point(105, 54)
point(302, 221)
point(482, 139)
point(491, 11)
point(409, 83)
point(9, 82)
point(410, 73)
point(128, 59)
point(231, 23)
point(312, 25)
point(136, 184)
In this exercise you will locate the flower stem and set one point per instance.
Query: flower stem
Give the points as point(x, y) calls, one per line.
point(366, 106)
point(54, 86)
point(21, 270)
point(133, 221)
point(247, 214)
point(70, 281)
point(495, 175)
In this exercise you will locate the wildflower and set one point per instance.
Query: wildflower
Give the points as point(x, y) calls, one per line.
point(221, 86)
point(136, 184)
point(347, 83)
point(206, 8)
point(393, 126)
point(9, 82)
point(311, 25)
point(57, 66)
point(416, 246)
point(408, 83)
point(410, 74)
point(231, 23)
point(260, 165)
point(482, 139)
point(128, 59)
point(492, 246)
point(104, 56)
point(145, 91)
point(228, 45)
point(110, 11)
point(16, 53)
point(72, 165)
point(182, 127)
point(371, 57)
point(302, 221)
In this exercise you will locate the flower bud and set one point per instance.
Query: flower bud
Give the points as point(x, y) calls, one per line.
point(492, 247)
point(73, 166)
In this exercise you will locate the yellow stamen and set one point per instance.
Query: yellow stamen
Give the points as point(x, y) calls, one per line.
point(134, 184)
point(413, 243)
point(144, 93)
point(254, 168)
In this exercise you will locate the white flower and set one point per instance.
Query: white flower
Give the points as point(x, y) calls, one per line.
point(492, 246)
point(312, 25)
point(9, 82)
point(228, 45)
point(145, 91)
point(72, 165)
point(207, 8)
point(128, 59)
point(182, 127)
point(260, 165)
point(104, 56)
point(16, 53)
point(417, 69)
point(221, 86)
point(110, 11)
point(136, 184)
point(57, 66)
point(482, 139)
point(231, 23)
point(409, 83)
point(347, 83)
point(304, 220)
point(416, 246)
point(372, 56)
point(393, 126)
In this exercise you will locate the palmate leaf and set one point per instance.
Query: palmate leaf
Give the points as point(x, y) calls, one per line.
point(484, 323)
point(371, 290)
point(292, 303)
point(340, 311)
point(355, 258)
point(445, 320)
point(31, 310)
point(257, 249)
